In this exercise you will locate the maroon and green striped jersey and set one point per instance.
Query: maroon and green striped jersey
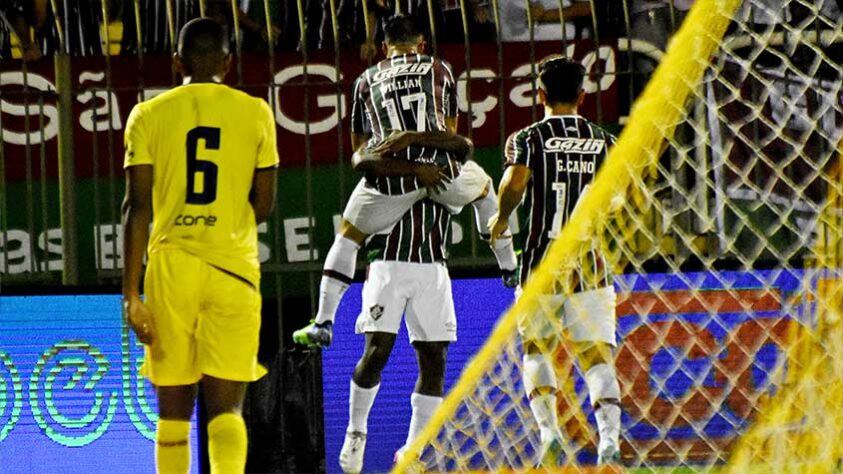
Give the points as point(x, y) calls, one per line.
point(407, 92)
point(421, 236)
point(563, 153)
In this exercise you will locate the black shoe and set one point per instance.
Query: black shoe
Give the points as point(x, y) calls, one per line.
point(510, 278)
point(314, 334)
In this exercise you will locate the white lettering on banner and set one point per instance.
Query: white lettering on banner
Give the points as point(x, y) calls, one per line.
point(522, 94)
point(96, 118)
point(108, 239)
point(296, 242)
point(479, 109)
point(16, 254)
point(606, 71)
point(16, 251)
point(50, 112)
point(50, 243)
point(338, 105)
point(101, 110)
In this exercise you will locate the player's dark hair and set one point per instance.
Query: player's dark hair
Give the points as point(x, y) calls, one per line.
point(561, 79)
point(401, 29)
point(202, 41)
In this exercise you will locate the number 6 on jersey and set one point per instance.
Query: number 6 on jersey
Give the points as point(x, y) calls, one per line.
point(208, 169)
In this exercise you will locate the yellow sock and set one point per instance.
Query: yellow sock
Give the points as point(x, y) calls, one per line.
point(172, 447)
point(227, 444)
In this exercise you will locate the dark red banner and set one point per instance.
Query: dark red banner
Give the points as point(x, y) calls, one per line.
point(311, 101)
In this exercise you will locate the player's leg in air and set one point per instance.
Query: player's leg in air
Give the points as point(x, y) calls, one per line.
point(366, 213)
point(369, 211)
point(590, 320)
point(476, 187)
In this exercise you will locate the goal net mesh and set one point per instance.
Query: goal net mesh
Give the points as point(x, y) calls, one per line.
point(720, 210)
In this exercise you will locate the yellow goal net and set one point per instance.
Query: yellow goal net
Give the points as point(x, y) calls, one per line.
point(720, 210)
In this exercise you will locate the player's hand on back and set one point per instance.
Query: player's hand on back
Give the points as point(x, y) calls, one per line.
point(431, 176)
point(140, 319)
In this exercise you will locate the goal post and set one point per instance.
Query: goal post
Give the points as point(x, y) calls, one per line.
point(720, 210)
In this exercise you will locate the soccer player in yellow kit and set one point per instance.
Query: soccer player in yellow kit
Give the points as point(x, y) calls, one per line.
point(202, 158)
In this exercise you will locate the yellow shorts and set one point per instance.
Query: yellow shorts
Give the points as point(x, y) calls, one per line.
point(207, 322)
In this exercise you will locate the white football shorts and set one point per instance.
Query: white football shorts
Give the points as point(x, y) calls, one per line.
point(373, 212)
point(420, 292)
point(588, 316)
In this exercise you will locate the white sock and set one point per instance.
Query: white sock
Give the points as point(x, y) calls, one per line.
point(336, 276)
point(484, 209)
point(603, 385)
point(423, 408)
point(540, 380)
point(538, 373)
point(360, 401)
point(544, 411)
point(608, 425)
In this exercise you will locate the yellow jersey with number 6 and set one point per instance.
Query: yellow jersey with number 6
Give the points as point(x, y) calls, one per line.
point(204, 142)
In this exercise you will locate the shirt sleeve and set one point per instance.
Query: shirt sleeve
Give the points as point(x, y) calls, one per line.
point(359, 121)
point(136, 140)
point(518, 150)
point(267, 149)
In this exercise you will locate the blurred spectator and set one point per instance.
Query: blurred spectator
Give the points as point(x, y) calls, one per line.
point(80, 23)
point(547, 21)
point(655, 21)
point(156, 36)
point(159, 30)
point(21, 19)
point(447, 21)
point(256, 36)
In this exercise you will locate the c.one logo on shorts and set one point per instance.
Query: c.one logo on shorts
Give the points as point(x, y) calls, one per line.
point(376, 312)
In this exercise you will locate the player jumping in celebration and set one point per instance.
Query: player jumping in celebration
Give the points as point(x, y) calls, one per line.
point(405, 106)
point(554, 161)
point(407, 277)
point(201, 167)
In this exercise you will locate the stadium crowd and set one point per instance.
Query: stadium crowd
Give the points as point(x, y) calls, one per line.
point(31, 29)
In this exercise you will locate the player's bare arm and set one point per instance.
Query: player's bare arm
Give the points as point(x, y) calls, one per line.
point(262, 197)
point(137, 215)
point(397, 141)
point(513, 183)
point(429, 175)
